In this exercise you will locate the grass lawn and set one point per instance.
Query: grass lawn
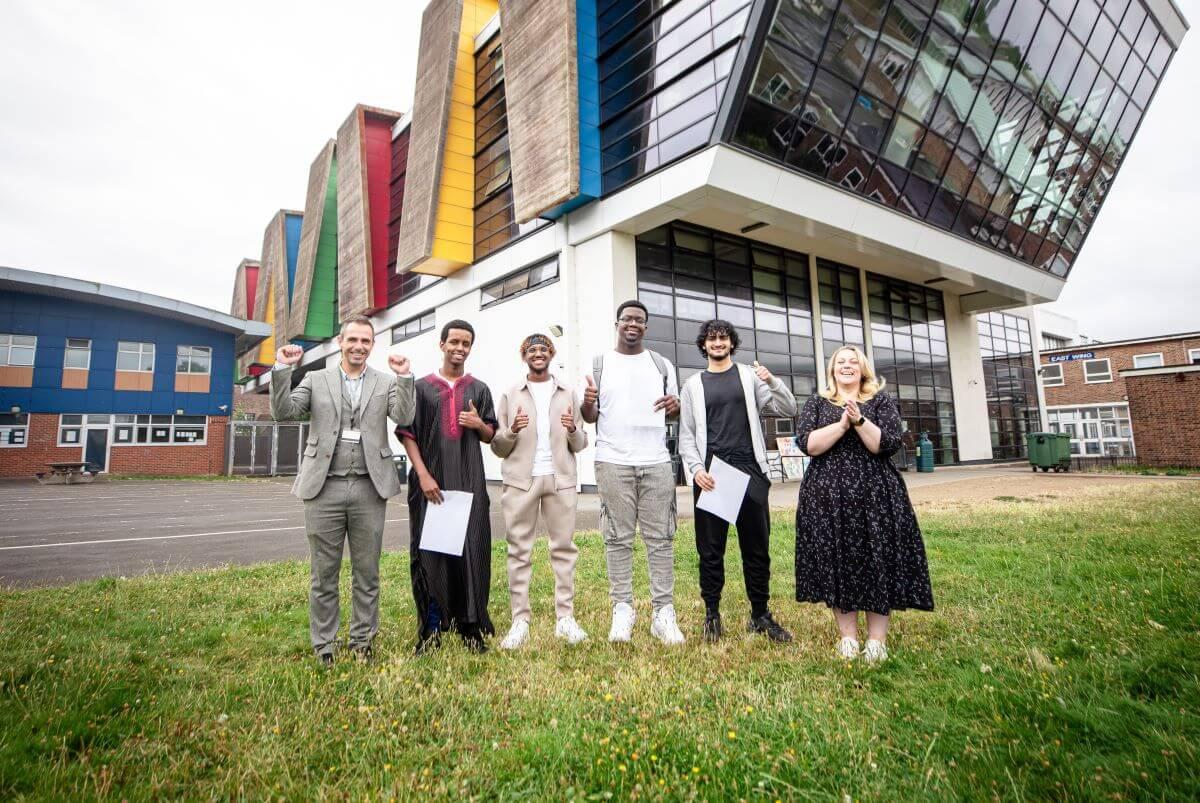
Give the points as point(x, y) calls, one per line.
point(1062, 663)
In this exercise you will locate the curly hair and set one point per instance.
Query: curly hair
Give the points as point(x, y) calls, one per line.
point(717, 327)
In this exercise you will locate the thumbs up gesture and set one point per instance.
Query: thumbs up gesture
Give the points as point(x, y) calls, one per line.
point(469, 417)
point(520, 420)
point(591, 393)
point(568, 420)
point(762, 373)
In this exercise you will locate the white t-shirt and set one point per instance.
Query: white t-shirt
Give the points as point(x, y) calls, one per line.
point(543, 459)
point(627, 378)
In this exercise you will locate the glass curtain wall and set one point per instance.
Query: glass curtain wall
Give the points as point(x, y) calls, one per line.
point(908, 345)
point(1003, 121)
point(663, 69)
point(1010, 378)
point(687, 275)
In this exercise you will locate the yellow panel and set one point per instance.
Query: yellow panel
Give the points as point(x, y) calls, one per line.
point(459, 162)
point(457, 197)
point(453, 232)
point(458, 215)
point(454, 252)
point(458, 180)
point(266, 350)
point(459, 128)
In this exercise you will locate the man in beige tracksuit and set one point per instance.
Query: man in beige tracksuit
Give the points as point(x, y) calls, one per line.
point(538, 438)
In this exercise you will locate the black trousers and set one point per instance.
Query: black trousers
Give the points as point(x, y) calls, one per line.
point(753, 530)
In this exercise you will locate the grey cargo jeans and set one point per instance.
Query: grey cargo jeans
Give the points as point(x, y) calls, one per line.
point(632, 498)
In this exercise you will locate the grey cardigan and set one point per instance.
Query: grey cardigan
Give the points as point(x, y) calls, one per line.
point(774, 399)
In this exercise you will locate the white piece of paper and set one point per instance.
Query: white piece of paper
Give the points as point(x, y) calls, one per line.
point(644, 414)
point(725, 500)
point(445, 527)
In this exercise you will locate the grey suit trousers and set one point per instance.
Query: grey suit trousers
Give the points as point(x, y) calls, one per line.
point(347, 509)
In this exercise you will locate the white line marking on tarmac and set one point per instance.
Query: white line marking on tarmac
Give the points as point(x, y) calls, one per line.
point(164, 537)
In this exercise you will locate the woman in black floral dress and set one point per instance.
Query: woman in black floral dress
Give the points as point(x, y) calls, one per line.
point(858, 546)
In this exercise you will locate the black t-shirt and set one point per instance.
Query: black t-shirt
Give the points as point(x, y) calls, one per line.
point(728, 426)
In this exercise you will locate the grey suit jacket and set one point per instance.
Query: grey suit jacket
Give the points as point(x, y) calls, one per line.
point(319, 395)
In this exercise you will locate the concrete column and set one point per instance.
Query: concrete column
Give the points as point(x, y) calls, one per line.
point(966, 375)
point(814, 289)
point(605, 274)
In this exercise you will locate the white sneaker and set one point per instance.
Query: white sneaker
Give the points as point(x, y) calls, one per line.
point(622, 623)
point(517, 635)
point(847, 648)
point(568, 629)
point(664, 628)
point(875, 652)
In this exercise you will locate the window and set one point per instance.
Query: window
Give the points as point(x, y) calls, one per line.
point(1097, 371)
point(14, 430)
point(78, 354)
point(193, 360)
point(70, 429)
point(1051, 342)
point(1154, 360)
point(1095, 431)
point(160, 429)
point(1194, 356)
point(414, 326)
point(1010, 380)
point(133, 356)
point(776, 89)
point(17, 350)
point(1052, 376)
point(519, 283)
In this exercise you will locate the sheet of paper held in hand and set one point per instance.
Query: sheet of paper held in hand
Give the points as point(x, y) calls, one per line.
point(445, 526)
point(726, 499)
point(643, 400)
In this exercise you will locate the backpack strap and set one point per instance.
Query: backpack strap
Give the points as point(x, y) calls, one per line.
point(661, 365)
point(597, 369)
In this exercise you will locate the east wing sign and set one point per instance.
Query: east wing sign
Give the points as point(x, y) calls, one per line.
point(1083, 355)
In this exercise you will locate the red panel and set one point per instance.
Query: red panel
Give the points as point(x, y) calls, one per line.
point(378, 135)
point(395, 213)
point(259, 370)
point(251, 286)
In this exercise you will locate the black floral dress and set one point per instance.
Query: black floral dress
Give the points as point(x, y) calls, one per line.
point(858, 545)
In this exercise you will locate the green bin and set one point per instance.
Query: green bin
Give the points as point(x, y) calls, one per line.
point(1049, 450)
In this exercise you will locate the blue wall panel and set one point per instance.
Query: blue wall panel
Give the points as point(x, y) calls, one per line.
point(292, 229)
point(53, 320)
point(589, 110)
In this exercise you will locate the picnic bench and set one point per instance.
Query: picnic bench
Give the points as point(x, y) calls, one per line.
point(66, 473)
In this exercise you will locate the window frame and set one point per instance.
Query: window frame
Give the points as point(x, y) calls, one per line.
point(399, 335)
point(1046, 383)
point(68, 348)
point(191, 353)
point(141, 352)
point(1193, 356)
point(499, 284)
point(143, 425)
point(1158, 354)
point(9, 430)
point(1108, 371)
point(7, 344)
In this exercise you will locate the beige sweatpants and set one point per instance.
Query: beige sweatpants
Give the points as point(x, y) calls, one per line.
point(521, 510)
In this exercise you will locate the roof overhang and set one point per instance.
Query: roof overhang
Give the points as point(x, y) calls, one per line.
point(727, 189)
point(247, 333)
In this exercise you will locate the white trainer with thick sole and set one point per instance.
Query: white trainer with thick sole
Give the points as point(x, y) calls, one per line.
point(569, 630)
point(664, 627)
point(623, 618)
point(847, 648)
point(517, 635)
point(875, 652)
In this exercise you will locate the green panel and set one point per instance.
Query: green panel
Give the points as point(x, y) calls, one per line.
point(322, 300)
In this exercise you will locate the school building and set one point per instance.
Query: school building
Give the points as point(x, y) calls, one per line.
point(906, 175)
point(125, 381)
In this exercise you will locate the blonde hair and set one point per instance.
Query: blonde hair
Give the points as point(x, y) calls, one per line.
point(868, 386)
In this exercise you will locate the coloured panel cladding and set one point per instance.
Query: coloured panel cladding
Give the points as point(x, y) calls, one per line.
point(437, 232)
point(278, 260)
point(264, 358)
point(364, 170)
point(247, 303)
point(314, 297)
point(53, 320)
point(542, 95)
point(396, 211)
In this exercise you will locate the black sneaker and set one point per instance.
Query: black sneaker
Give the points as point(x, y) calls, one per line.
point(325, 660)
point(773, 630)
point(712, 628)
point(428, 642)
point(362, 655)
point(474, 643)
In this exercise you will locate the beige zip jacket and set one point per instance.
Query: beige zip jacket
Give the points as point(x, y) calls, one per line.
point(517, 449)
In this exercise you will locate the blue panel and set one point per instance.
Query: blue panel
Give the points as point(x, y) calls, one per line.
point(292, 227)
point(589, 110)
point(99, 399)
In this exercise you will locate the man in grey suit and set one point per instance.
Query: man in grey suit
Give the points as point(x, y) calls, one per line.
point(346, 476)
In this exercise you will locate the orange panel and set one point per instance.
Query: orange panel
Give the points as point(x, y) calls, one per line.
point(75, 378)
point(134, 380)
point(16, 376)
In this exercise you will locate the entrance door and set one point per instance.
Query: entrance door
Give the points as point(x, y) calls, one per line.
point(95, 450)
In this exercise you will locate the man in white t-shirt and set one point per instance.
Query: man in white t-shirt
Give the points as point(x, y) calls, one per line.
point(629, 395)
point(538, 437)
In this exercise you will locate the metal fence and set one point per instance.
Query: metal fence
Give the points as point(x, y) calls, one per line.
point(265, 448)
point(1101, 462)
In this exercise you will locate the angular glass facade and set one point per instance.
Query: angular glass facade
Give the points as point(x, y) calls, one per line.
point(663, 69)
point(1001, 121)
point(909, 350)
point(687, 275)
point(1010, 378)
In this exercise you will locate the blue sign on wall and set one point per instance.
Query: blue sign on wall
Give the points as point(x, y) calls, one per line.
point(1083, 355)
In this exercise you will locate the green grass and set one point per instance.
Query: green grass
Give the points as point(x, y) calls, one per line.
point(1168, 471)
point(1062, 663)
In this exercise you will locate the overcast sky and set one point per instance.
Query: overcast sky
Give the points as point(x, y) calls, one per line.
point(147, 146)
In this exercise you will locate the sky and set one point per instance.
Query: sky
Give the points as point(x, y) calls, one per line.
point(147, 146)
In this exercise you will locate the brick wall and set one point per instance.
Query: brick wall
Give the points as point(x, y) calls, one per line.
point(252, 405)
point(171, 460)
point(1075, 391)
point(1166, 422)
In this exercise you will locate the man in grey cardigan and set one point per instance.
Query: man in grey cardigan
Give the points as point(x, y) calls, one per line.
point(346, 476)
point(719, 417)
